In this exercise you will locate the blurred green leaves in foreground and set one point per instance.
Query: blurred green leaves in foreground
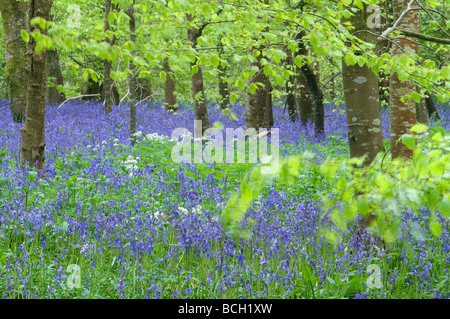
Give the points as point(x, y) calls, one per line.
point(379, 193)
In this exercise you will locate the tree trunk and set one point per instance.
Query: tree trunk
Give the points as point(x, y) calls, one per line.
point(268, 113)
point(54, 75)
point(291, 102)
point(256, 115)
point(132, 79)
point(198, 90)
point(421, 112)
point(14, 20)
point(223, 85)
point(305, 100)
point(107, 87)
point(169, 89)
point(362, 98)
point(33, 133)
point(316, 91)
point(402, 114)
point(431, 107)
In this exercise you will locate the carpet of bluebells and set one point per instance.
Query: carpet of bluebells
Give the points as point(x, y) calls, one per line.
point(140, 226)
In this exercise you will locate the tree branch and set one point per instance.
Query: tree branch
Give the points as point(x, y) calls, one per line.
point(77, 97)
point(424, 37)
point(394, 26)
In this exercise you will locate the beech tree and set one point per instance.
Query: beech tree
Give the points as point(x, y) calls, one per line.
point(170, 100)
point(361, 91)
point(291, 101)
point(198, 90)
point(258, 99)
point(305, 99)
point(313, 84)
point(33, 133)
point(223, 85)
point(107, 86)
point(132, 77)
point(403, 112)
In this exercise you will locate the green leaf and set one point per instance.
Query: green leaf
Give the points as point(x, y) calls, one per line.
point(444, 207)
point(130, 46)
point(437, 137)
point(416, 97)
point(206, 9)
point(218, 126)
point(25, 36)
point(419, 128)
point(32, 175)
point(163, 76)
point(436, 228)
point(409, 141)
point(279, 80)
point(214, 60)
point(363, 205)
point(359, 4)
point(314, 40)
point(382, 182)
point(433, 199)
point(350, 59)
point(298, 61)
point(194, 69)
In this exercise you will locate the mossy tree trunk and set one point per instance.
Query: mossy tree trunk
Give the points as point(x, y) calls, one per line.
point(198, 90)
point(107, 86)
point(14, 20)
point(257, 113)
point(170, 101)
point(33, 133)
point(223, 84)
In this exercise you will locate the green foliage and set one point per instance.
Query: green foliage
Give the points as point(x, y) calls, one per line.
point(378, 193)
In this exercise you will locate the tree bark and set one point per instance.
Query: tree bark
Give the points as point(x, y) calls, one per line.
point(421, 112)
point(169, 89)
point(223, 85)
point(107, 87)
point(402, 114)
point(55, 75)
point(268, 113)
point(33, 133)
point(198, 90)
point(256, 115)
point(431, 107)
point(132, 79)
point(319, 110)
point(362, 97)
point(291, 102)
point(14, 20)
point(305, 100)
